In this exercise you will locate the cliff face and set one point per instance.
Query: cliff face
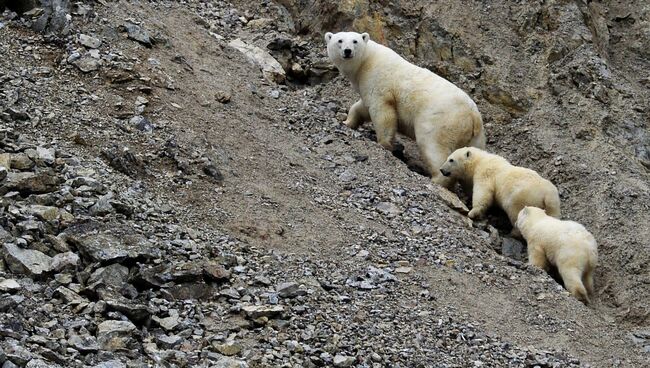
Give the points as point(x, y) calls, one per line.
point(178, 188)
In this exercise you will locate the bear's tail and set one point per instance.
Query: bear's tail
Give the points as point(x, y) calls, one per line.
point(552, 204)
point(478, 133)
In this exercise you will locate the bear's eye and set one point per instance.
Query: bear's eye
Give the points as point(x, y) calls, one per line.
point(355, 41)
point(340, 41)
point(451, 160)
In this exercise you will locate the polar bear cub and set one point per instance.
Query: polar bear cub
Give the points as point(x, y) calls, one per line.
point(564, 244)
point(494, 179)
point(398, 96)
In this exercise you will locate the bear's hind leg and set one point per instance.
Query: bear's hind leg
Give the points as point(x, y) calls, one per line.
point(434, 157)
point(573, 283)
point(589, 281)
point(357, 115)
point(384, 118)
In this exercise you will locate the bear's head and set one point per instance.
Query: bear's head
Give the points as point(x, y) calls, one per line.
point(346, 47)
point(456, 164)
point(526, 214)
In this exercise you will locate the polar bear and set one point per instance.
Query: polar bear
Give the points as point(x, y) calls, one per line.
point(493, 179)
point(398, 96)
point(564, 244)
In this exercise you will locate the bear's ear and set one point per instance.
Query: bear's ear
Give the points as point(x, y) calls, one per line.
point(365, 37)
point(328, 36)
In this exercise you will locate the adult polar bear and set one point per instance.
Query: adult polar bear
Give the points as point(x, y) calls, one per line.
point(398, 96)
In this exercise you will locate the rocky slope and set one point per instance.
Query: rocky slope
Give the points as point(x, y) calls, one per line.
point(166, 201)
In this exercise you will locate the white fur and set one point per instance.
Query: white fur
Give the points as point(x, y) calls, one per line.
point(399, 96)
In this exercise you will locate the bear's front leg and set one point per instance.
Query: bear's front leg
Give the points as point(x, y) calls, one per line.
point(357, 115)
point(481, 200)
point(384, 118)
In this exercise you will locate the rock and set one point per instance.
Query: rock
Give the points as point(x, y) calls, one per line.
point(21, 161)
point(168, 323)
point(271, 68)
point(46, 155)
point(226, 362)
point(513, 248)
point(27, 261)
point(89, 41)
point(62, 261)
point(403, 269)
point(9, 286)
point(3, 173)
point(257, 311)
point(69, 296)
point(229, 348)
point(222, 96)
point(45, 213)
point(347, 176)
point(137, 33)
point(136, 312)
point(40, 363)
point(213, 271)
point(114, 335)
point(371, 279)
point(290, 290)
point(141, 123)
point(114, 276)
point(122, 159)
point(343, 361)
point(110, 364)
point(213, 172)
point(10, 302)
point(106, 247)
point(168, 342)
point(85, 344)
point(87, 63)
point(450, 199)
point(230, 293)
point(389, 209)
point(30, 183)
point(102, 207)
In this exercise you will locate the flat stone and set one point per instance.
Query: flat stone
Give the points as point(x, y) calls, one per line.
point(111, 246)
point(89, 41)
point(168, 342)
point(229, 348)
point(271, 68)
point(450, 199)
point(87, 63)
point(69, 296)
point(110, 364)
point(40, 363)
point(84, 344)
point(21, 161)
point(256, 311)
point(114, 275)
point(137, 33)
point(47, 155)
point(403, 269)
point(30, 183)
point(227, 362)
point(290, 290)
point(26, 261)
point(9, 285)
point(114, 335)
point(66, 260)
point(3, 173)
point(343, 361)
point(168, 323)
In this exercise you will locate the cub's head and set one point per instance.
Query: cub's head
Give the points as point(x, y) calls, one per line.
point(346, 46)
point(455, 165)
point(527, 213)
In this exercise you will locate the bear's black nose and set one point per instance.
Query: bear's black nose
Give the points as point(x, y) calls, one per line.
point(347, 52)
